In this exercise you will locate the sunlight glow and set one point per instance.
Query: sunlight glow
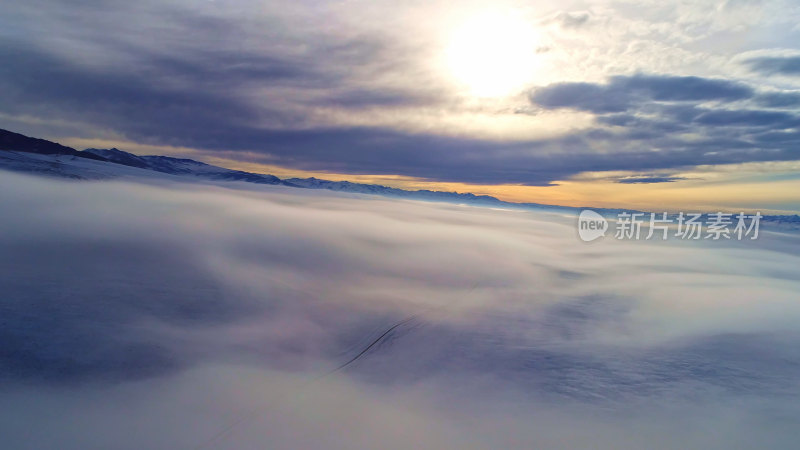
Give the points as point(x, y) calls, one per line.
point(492, 55)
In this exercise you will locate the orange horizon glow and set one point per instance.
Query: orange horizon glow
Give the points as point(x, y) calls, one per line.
point(730, 188)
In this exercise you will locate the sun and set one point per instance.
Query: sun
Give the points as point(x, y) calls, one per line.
point(492, 54)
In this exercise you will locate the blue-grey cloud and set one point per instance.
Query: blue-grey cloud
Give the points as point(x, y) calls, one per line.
point(582, 96)
point(775, 65)
point(649, 179)
point(780, 138)
point(625, 92)
point(779, 100)
point(682, 88)
point(752, 118)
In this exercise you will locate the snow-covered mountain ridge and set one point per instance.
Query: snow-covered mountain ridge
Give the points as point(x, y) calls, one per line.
point(25, 154)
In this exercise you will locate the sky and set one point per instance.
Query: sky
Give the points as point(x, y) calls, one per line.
point(155, 313)
point(681, 105)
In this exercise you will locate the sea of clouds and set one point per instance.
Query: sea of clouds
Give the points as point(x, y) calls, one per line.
point(183, 315)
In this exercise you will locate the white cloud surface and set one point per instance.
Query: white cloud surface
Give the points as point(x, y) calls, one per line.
point(139, 316)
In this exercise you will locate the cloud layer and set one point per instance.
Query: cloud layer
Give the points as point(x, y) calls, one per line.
point(178, 309)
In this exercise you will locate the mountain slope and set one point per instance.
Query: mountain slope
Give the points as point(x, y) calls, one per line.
point(182, 166)
point(189, 167)
point(119, 157)
point(18, 142)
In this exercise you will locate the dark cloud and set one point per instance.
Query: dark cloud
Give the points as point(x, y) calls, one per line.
point(622, 93)
point(130, 102)
point(636, 125)
point(775, 65)
point(779, 100)
point(582, 96)
point(675, 88)
point(791, 138)
point(751, 118)
point(648, 180)
point(647, 114)
point(362, 98)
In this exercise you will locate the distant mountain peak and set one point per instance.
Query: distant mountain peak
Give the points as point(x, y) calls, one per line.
point(15, 142)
